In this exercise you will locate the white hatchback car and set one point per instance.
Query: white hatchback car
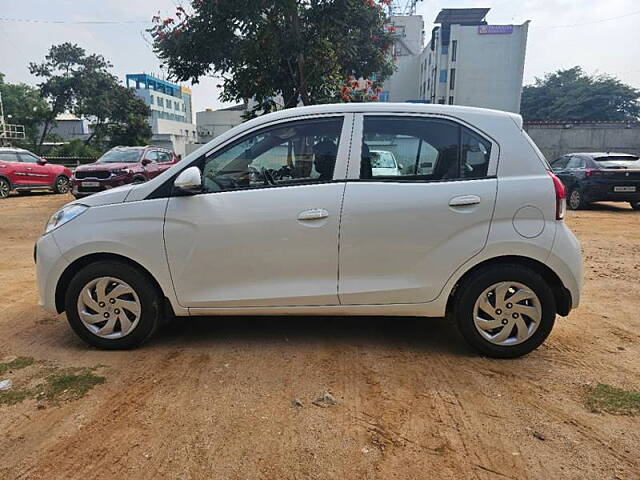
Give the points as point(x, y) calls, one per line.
point(283, 215)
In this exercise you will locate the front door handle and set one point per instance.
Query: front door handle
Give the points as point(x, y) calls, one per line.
point(464, 201)
point(313, 214)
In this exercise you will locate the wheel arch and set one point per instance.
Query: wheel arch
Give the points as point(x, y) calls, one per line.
point(80, 263)
point(561, 294)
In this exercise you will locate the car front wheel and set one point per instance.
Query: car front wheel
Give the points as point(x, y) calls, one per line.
point(61, 185)
point(5, 188)
point(635, 204)
point(112, 305)
point(505, 311)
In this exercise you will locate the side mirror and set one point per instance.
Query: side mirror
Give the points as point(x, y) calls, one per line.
point(189, 180)
point(400, 166)
point(42, 161)
point(145, 162)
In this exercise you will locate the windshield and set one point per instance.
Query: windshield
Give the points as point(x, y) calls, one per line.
point(382, 159)
point(121, 156)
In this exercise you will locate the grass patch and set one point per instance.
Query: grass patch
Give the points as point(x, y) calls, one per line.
point(17, 364)
point(609, 399)
point(12, 397)
point(70, 385)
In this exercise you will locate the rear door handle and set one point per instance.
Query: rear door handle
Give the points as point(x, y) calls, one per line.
point(464, 201)
point(313, 214)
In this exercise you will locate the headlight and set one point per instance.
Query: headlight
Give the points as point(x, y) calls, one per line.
point(64, 215)
point(118, 173)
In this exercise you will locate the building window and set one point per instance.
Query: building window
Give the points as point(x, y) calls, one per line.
point(451, 100)
point(160, 102)
point(454, 50)
point(452, 81)
point(445, 49)
point(384, 96)
point(443, 76)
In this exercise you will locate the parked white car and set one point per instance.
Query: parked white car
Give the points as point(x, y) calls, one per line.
point(284, 215)
point(384, 163)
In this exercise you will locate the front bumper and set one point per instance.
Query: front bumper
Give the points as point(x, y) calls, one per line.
point(50, 264)
point(89, 186)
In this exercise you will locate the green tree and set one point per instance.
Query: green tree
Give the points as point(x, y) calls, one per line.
point(73, 81)
point(571, 94)
point(308, 51)
point(23, 105)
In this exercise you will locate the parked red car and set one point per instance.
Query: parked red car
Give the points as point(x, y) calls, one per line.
point(23, 171)
point(119, 166)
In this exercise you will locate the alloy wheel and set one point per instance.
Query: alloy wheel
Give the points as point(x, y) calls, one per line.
point(109, 308)
point(62, 185)
point(4, 188)
point(507, 313)
point(574, 199)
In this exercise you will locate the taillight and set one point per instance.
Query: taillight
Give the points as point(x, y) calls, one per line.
point(590, 172)
point(561, 197)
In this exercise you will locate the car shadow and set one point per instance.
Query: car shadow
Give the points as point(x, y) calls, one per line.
point(433, 335)
point(611, 207)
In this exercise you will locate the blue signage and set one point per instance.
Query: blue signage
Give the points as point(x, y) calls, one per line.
point(495, 29)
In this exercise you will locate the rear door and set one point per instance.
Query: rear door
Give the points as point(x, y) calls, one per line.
point(402, 237)
point(11, 167)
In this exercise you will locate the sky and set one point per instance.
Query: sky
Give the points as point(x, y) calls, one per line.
point(602, 36)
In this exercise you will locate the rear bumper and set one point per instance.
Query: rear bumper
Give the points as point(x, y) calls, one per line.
point(604, 190)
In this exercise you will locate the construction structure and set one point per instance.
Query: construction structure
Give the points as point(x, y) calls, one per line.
point(9, 132)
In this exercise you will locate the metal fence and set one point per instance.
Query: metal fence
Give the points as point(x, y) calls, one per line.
point(70, 162)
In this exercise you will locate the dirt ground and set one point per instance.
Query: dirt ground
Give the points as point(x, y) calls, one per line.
point(211, 398)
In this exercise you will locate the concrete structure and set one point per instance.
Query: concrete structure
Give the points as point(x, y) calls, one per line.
point(212, 123)
point(466, 62)
point(171, 110)
point(557, 138)
point(69, 127)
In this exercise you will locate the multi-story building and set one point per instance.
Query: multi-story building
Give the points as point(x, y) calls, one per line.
point(171, 107)
point(466, 62)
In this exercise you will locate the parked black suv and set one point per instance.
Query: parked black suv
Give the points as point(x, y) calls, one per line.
point(593, 177)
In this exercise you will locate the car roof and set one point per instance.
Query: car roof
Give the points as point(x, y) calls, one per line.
point(12, 149)
point(603, 154)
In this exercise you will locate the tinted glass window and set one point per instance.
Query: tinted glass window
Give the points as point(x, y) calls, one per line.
point(575, 162)
point(152, 155)
point(422, 149)
point(164, 157)
point(8, 157)
point(560, 163)
point(294, 153)
point(26, 158)
point(118, 155)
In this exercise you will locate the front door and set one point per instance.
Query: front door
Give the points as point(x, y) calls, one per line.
point(264, 231)
point(403, 235)
point(36, 174)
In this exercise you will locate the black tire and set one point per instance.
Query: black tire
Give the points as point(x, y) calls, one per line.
point(147, 292)
point(472, 288)
point(635, 204)
point(61, 185)
point(576, 200)
point(5, 188)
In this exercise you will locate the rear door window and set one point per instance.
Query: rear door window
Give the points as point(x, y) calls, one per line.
point(424, 149)
point(8, 157)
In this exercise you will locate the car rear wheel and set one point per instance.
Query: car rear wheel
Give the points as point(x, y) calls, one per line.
point(61, 185)
point(576, 200)
point(505, 311)
point(635, 204)
point(5, 188)
point(112, 305)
